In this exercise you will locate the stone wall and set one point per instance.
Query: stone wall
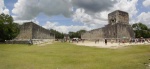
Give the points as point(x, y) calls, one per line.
point(118, 17)
point(93, 34)
point(41, 33)
point(118, 27)
point(25, 31)
point(118, 31)
point(17, 42)
point(31, 30)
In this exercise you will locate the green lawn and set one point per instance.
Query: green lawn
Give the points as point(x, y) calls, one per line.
point(70, 56)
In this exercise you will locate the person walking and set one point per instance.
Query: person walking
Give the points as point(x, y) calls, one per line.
point(105, 41)
point(30, 42)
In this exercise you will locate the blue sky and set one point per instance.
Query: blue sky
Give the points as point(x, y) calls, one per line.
point(74, 15)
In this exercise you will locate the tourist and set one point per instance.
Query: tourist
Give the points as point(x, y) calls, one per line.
point(98, 40)
point(130, 41)
point(95, 41)
point(77, 40)
point(30, 42)
point(82, 40)
point(112, 41)
point(119, 41)
point(105, 41)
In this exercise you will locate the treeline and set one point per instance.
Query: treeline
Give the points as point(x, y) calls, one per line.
point(59, 35)
point(141, 30)
point(76, 34)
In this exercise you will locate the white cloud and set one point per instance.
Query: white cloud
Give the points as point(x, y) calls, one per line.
point(102, 17)
point(128, 6)
point(50, 25)
point(26, 10)
point(3, 8)
point(63, 28)
point(146, 3)
point(144, 18)
point(94, 6)
point(6, 11)
point(92, 13)
point(81, 16)
point(87, 19)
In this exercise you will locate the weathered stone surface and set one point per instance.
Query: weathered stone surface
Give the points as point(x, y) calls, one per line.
point(25, 31)
point(118, 31)
point(118, 27)
point(31, 30)
point(118, 17)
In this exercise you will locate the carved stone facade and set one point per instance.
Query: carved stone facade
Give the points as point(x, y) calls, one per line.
point(118, 27)
point(31, 30)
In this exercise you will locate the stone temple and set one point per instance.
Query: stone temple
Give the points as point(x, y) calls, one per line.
point(118, 27)
point(34, 32)
point(31, 30)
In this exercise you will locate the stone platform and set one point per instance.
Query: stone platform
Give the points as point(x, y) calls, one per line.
point(27, 41)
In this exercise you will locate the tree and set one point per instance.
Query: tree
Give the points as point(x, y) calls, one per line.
point(141, 30)
point(57, 34)
point(139, 26)
point(76, 34)
point(9, 30)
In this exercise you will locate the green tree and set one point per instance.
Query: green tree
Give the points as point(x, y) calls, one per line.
point(57, 34)
point(8, 28)
point(76, 34)
point(141, 30)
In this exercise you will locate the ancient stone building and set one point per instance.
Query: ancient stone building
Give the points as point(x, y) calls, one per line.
point(31, 30)
point(118, 27)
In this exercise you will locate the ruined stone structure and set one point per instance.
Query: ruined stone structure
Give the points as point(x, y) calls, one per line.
point(118, 27)
point(31, 30)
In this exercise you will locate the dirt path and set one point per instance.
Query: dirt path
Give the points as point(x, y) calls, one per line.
point(109, 45)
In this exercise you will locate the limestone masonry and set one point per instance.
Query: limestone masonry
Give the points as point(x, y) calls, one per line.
point(31, 30)
point(118, 27)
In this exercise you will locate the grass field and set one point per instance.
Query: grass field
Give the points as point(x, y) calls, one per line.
point(70, 56)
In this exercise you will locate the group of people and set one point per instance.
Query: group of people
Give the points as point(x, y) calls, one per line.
point(106, 40)
point(126, 41)
point(97, 41)
point(30, 42)
point(77, 40)
point(139, 40)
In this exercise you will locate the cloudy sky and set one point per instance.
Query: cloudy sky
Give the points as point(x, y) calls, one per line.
point(74, 15)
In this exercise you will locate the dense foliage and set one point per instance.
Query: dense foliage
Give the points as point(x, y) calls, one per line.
point(141, 30)
point(59, 35)
point(76, 34)
point(8, 29)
